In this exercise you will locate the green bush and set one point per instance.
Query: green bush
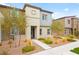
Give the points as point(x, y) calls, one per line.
point(41, 38)
point(71, 38)
point(47, 41)
point(28, 49)
point(75, 50)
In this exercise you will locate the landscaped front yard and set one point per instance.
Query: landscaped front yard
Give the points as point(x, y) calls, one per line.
point(8, 48)
point(58, 41)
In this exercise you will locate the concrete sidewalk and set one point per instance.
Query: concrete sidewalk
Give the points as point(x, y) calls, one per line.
point(61, 50)
point(41, 44)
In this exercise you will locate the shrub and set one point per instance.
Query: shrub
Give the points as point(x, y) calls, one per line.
point(56, 42)
point(41, 38)
point(28, 49)
point(47, 41)
point(63, 40)
point(29, 42)
point(10, 42)
point(75, 50)
point(71, 38)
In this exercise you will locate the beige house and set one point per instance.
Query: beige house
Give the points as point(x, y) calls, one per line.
point(7, 12)
point(70, 24)
point(37, 21)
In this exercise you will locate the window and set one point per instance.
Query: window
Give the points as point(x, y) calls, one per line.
point(14, 30)
point(40, 31)
point(65, 31)
point(14, 13)
point(68, 21)
point(44, 16)
point(33, 12)
point(48, 31)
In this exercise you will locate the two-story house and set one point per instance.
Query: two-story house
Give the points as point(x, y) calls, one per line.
point(6, 15)
point(70, 24)
point(38, 21)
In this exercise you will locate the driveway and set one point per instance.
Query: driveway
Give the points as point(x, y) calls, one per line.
point(61, 50)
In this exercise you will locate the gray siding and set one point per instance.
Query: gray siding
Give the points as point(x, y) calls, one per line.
point(48, 21)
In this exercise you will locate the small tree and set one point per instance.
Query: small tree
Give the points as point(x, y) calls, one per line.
point(57, 27)
point(21, 25)
point(11, 19)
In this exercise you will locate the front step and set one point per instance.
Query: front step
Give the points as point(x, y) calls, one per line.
point(41, 44)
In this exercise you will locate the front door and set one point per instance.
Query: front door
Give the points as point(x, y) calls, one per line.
point(33, 32)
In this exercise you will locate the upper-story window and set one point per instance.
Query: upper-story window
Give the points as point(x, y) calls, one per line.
point(68, 21)
point(44, 16)
point(14, 13)
point(33, 12)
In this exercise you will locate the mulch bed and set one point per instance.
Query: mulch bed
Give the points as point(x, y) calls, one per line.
point(16, 49)
point(59, 43)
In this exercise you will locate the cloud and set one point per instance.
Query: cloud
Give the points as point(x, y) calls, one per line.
point(58, 14)
point(66, 9)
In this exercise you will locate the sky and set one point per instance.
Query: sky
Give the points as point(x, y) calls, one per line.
point(59, 9)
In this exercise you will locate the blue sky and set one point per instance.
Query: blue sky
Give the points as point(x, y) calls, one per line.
point(59, 9)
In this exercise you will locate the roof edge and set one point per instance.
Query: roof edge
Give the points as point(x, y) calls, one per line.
point(37, 8)
point(11, 7)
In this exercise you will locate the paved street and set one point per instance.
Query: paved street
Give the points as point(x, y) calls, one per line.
point(61, 50)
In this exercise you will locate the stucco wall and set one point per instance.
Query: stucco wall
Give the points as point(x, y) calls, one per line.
point(66, 23)
point(44, 32)
point(32, 20)
point(29, 12)
point(48, 21)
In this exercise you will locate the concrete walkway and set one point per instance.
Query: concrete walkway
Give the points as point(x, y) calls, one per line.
point(61, 50)
point(41, 44)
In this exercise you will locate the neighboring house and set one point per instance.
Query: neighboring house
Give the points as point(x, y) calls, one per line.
point(70, 23)
point(7, 12)
point(38, 21)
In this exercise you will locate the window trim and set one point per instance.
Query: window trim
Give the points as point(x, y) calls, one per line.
point(68, 21)
point(44, 16)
